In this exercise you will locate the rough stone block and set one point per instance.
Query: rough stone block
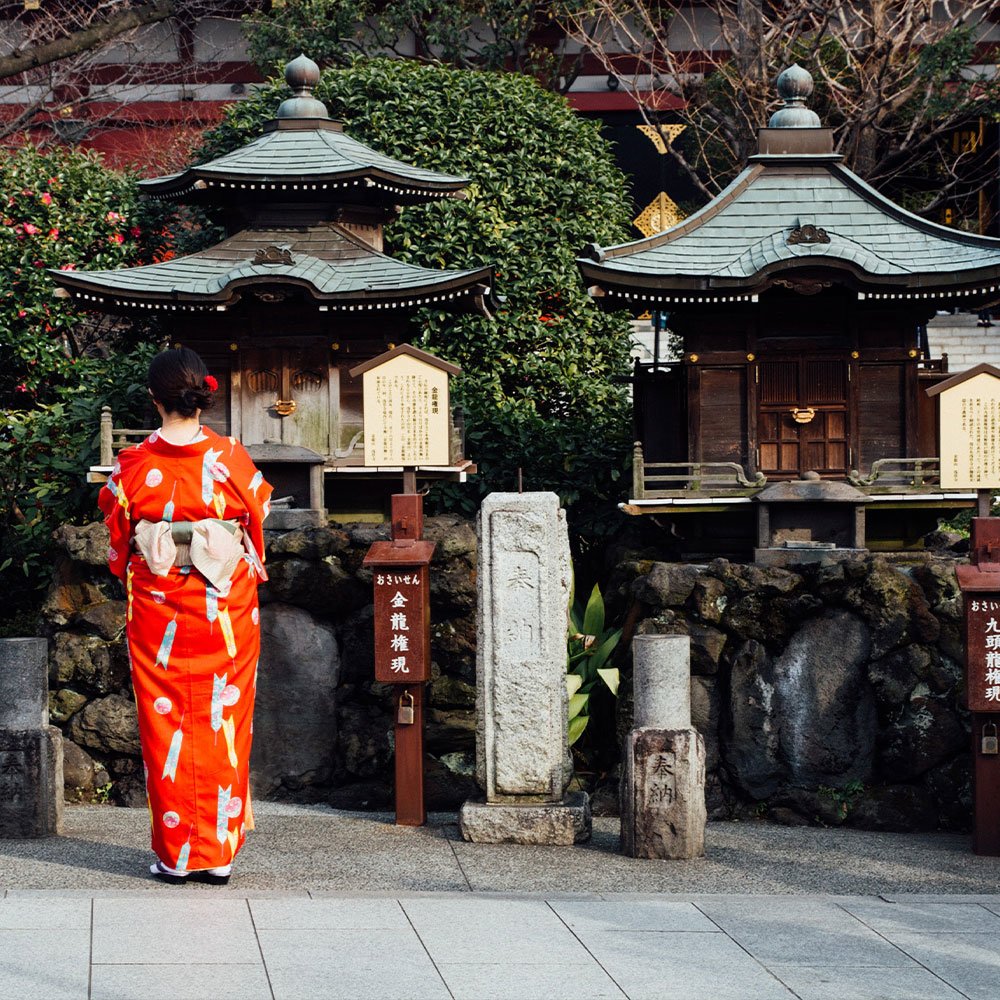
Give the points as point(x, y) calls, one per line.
point(556, 824)
point(295, 518)
point(24, 683)
point(663, 794)
point(296, 693)
point(524, 585)
point(661, 681)
point(31, 783)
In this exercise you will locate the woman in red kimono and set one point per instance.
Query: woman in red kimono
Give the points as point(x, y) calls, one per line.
point(185, 509)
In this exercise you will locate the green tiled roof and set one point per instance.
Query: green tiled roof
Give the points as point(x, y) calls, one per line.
point(306, 153)
point(333, 264)
point(741, 238)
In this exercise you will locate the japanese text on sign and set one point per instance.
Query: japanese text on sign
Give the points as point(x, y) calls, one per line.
point(983, 636)
point(406, 415)
point(400, 627)
point(970, 425)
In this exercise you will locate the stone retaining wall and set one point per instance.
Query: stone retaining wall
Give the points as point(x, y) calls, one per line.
point(832, 693)
point(322, 727)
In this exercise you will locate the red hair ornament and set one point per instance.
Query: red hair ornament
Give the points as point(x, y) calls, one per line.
point(212, 382)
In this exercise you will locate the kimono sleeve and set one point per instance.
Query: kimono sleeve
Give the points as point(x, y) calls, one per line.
point(256, 493)
point(115, 506)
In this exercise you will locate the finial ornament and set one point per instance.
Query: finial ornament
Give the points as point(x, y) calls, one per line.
point(794, 85)
point(301, 75)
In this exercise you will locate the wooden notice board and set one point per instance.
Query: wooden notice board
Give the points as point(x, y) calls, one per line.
point(970, 429)
point(407, 416)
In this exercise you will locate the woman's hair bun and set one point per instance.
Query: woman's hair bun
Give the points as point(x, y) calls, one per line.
point(177, 380)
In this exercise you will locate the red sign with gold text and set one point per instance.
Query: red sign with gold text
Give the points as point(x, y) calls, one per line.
point(982, 632)
point(401, 580)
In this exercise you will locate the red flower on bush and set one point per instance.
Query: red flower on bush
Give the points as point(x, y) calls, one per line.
point(30, 229)
point(46, 199)
point(116, 238)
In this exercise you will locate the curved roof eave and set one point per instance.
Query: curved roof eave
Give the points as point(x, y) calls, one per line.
point(102, 291)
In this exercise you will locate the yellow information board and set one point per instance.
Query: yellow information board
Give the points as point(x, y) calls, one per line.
point(406, 409)
point(970, 429)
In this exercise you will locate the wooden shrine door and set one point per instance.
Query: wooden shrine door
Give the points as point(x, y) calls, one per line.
point(802, 416)
point(285, 397)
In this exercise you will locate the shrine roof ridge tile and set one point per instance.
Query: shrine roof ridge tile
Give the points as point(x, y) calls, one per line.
point(746, 228)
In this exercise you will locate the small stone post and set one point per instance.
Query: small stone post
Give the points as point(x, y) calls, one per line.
point(31, 757)
point(663, 764)
point(522, 763)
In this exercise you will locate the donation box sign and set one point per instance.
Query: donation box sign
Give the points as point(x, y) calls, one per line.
point(402, 610)
point(982, 625)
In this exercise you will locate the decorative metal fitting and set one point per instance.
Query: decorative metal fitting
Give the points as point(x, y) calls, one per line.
point(804, 415)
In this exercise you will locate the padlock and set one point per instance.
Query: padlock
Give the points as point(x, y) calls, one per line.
point(405, 714)
point(990, 745)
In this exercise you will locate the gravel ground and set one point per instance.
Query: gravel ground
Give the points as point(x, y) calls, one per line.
point(304, 848)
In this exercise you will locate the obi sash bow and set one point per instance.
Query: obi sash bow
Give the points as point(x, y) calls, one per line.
point(214, 547)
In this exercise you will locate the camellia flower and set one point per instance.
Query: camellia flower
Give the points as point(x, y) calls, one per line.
point(68, 267)
point(20, 387)
point(53, 233)
point(113, 217)
point(21, 313)
point(30, 229)
point(46, 199)
point(135, 231)
point(116, 238)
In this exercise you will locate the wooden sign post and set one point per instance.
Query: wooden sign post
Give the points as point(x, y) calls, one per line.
point(970, 459)
point(407, 420)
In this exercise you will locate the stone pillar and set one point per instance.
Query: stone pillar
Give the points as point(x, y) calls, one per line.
point(661, 681)
point(521, 758)
point(662, 793)
point(31, 764)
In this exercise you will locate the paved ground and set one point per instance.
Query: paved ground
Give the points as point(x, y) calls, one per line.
point(346, 905)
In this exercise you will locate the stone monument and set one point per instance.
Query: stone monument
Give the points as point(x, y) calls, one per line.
point(31, 756)
point(522, 761)
point(663, 764)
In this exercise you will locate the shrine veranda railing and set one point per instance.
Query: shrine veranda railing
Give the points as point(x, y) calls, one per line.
point(665, 480)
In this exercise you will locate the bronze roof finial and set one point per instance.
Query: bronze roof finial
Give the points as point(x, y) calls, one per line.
point(302, 74)
point(794, 84)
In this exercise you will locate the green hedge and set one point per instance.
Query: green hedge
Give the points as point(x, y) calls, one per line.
point(538, 384)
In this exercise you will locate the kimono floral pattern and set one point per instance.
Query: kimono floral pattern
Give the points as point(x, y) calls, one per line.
point(193, 651)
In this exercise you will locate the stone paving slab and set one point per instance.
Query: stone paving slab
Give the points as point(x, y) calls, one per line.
point(172, 982)
point(825, 982)
point(481, 946)
point(32, 968)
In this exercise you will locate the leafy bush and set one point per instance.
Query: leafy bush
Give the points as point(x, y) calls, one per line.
point(60, 209)
point(538, 383)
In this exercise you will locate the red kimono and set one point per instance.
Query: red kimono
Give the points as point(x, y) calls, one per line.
point(193, 652)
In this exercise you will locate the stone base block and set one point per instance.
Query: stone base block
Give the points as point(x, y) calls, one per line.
point(31, 783)
point(295, 518)
point(559, 824)
point(785, 558)
point(663, 794)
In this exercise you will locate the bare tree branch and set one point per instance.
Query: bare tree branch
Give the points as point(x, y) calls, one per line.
point(84, 39)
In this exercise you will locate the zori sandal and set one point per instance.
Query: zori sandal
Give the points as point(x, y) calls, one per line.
point(175, 876)
point(213, 876)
